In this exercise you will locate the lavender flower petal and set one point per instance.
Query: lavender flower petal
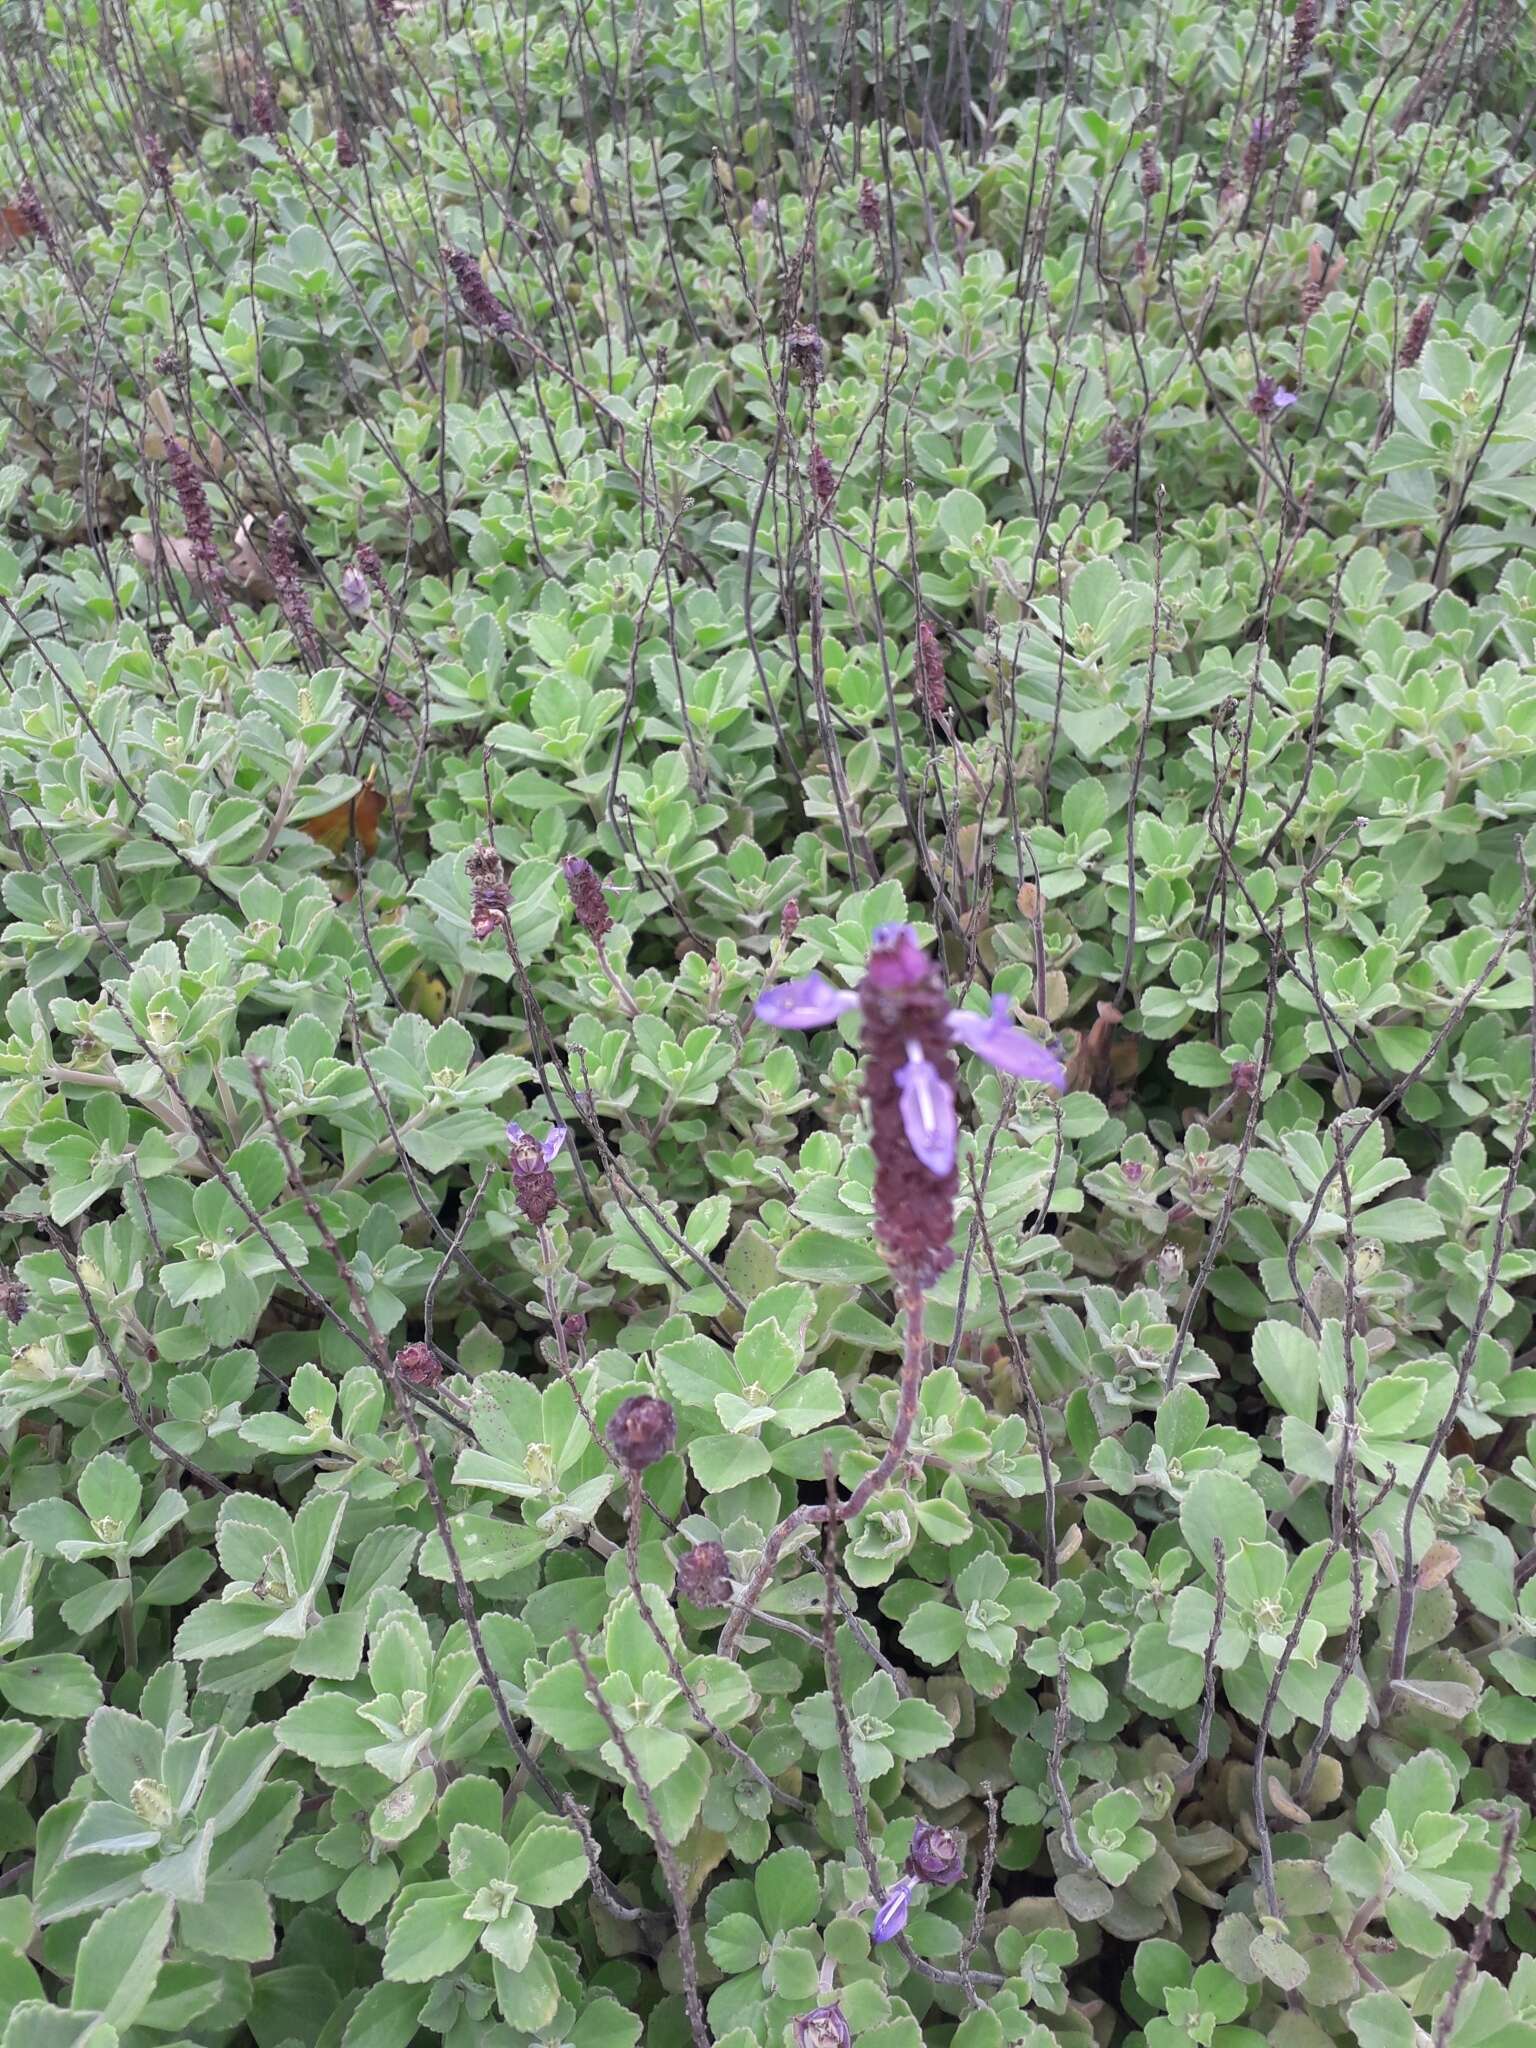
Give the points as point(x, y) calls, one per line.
point(804, 1005)
point(927, 1111)
point(515, 1133)
point(892, 1916)
point(1009, 1049)
point(554, 1143)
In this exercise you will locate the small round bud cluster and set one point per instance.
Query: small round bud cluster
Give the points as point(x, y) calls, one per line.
point(641, 1431)
point(419, 1366)
point(704, 1576)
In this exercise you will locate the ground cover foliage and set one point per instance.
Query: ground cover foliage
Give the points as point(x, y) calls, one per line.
point(525, 535)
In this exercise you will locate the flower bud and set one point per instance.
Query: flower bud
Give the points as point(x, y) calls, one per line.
point(574, 1327)
point(13, 1297)
point(641, 1431)
point(587, 898)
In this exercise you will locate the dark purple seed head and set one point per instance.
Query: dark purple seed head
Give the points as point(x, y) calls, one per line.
point(641, 1431)
point(292, 597)
point(264, 106)
point(789, 919)
point(1151, 170)
point(823, 478)
point(1303, 32)
point(937, 1855)
point(346, 147)
point(704, 1576)
point(1245, 1076)
point(419, 1365)
point(587, 898)
point(869, 207)
point(533, 1185)
point(574, 1327)
point(480, 303)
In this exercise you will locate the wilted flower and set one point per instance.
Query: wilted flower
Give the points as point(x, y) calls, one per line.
point(418, 1365)
point(823, 2028)
point(587, 898)
point(909, 1038)
point(355, 594)
point(1119, 445)
point(292, 598)
point(13, 1297)
point(1170, 1266)
point(805, 350)
point(159, 163)
point(346, 147)
point(533, 1185)
point(641, 1431)
point(937, 1855)
point(869, 207)
point(488, 893)
point(762, 214)
point(193, 500)
point(1270, 398)
point(704, 1575)
point(264, 106)
point(1245, 1076)
point(1151, 170)
point(823, 478)
point(1303, 32)
point(574, 1326)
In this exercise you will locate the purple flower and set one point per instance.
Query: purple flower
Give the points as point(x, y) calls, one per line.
point(1005, 1046)
point(891, 1917)
point(1269, 398)
point(937, 1855)
point(804, 1005)
point(533, 1185)
point(910, 1071)
point(927, 1110)
point(355, 594)
point(641, 1430)
point(587, 899)
point(823, 2028)
point(418, 1365)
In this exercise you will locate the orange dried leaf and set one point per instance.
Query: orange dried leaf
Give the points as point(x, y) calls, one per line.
point(356, 817)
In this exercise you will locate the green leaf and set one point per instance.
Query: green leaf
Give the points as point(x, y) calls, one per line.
point(428, 1938)
point(788, 1891)
point(60, 1687)
point(118, 1962)
point(1286, 1360)
point(1172, 1677)
point(548, 1864)
point(1220, 1507)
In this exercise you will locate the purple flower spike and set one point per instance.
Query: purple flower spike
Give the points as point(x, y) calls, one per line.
point(927, 1110)
point(804, 1005)
point(1009, 1049)
point(937, 1855)
point(891, 1919)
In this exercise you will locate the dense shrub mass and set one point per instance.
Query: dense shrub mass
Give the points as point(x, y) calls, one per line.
point(767, 1074)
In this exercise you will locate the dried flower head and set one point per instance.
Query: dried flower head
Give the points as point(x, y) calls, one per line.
point(1417, 334)
point(264, 106)
point(823, 478)
point(1151, 178)
point(789, 919)
point(1245, 1076)
point(355, 594)
point(641, 1431)
point(480, 303)
point(1119, 445)
point(805, 350)
point(159, 163)
point(489, 896)
point(928, 671)
point(869, 207)
point(823, 2028)
point(292, 597)
point(910, 1073)
point(937, 1855)
point(1303, 32)
point(587, 898)
point(346, 147)
point(573, 1327)
point(34, 216)
point(419, 1365)
point(704, 1575)
point(197, 517)
point(533, 1185)
point(13, 1297)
